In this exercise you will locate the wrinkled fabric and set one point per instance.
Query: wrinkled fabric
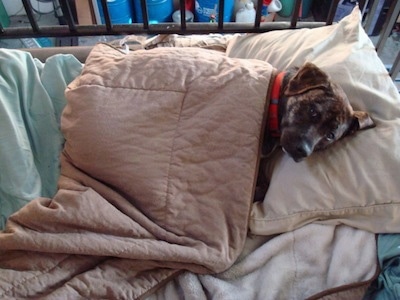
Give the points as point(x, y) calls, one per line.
point(31, 101)
point(315, 259)
point(157, 176)
point(387, 285)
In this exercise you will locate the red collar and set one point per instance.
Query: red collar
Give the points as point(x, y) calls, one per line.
point(273, 118)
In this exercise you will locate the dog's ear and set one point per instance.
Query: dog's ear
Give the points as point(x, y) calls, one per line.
point(308, 77)
point(361, 120)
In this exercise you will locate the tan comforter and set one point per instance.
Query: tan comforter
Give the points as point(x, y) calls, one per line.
point(158, 175)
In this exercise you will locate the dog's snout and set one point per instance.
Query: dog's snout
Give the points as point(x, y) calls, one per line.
point(303, 150)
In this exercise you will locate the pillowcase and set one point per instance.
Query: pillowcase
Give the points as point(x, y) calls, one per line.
point(356, 181)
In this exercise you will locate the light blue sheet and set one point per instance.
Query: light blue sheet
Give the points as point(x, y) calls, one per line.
point(31, 102)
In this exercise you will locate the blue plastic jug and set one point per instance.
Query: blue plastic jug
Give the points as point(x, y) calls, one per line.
point(159, 11)
point(207, 10)
point(120, 11)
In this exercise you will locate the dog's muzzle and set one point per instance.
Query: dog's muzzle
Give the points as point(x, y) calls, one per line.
point(298, 150)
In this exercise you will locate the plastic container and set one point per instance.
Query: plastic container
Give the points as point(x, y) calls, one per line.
point(207, 10)
point(305, 8)
point(120, 11)
point(4, 19)
point(288, 6)
point(159, 11)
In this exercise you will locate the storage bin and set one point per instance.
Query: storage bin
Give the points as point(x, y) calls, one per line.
point(288, 6)
point(207, 10)
point(159, 11)
point(120, 11)
point(4, 19)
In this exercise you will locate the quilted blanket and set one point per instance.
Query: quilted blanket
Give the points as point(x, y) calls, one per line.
point(157, 176)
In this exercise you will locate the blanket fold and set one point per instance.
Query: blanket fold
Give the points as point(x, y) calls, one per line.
point(158, 174)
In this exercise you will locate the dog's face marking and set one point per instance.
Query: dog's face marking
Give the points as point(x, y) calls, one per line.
point(316, 114)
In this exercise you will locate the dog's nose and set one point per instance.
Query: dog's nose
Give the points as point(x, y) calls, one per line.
point(303, 150)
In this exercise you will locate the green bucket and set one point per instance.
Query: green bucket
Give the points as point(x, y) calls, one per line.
point(288, 6)
point(4, 19)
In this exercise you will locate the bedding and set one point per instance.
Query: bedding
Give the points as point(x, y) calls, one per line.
point(31, 102)
point(355, 182)
point(148, 173)
point(105, 233)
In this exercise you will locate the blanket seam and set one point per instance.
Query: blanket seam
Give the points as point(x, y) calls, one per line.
point(326, 212)
point(130, 88)
point(167, 191)
point(26, 279)
point(294, 283)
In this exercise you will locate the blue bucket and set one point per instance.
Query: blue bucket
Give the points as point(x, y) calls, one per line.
point(120, 11)
point(159, 11)
point(207, 10)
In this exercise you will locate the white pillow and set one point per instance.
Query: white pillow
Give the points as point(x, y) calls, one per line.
point(356, 181)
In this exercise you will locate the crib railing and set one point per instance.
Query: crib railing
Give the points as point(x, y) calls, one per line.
point(184, 27)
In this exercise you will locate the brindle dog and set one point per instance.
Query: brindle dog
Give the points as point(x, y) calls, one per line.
point(313, 113)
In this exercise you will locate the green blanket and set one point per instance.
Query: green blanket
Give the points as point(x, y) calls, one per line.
point(31, 101)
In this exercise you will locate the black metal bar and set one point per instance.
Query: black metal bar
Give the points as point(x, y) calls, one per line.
point(67, 12)
point(295, 14)
point(258, 13)
point(145, 14)
point(30, 15)
point(106, 15)
point(221, 8)
point(182, 7)
point(161, 28)
point(332, 12)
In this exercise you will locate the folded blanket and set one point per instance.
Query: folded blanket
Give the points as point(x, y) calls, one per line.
point(158, 175)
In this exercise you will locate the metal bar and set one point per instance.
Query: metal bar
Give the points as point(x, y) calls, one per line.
point(363, 5)
point(370, 16)
point(332, 12)
point(221, 8)
point(394, 71)
point(295, 14)
point(145, 14)
point(258, 13)
point(106, 15)
point(182, 7)
point(66, 9)
point(30, 15)
point(393, 13)
point(161, 28)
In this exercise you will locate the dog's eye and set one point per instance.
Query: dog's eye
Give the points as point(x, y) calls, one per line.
point(313, 113)
point(330, 136)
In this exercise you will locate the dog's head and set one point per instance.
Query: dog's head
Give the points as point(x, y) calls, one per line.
point(316, 114)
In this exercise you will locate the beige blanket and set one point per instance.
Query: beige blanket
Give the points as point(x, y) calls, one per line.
point(312, 262)
point(158, 175)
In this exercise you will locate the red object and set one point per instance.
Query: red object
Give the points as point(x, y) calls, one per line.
point(189, 5)
point(273, 117)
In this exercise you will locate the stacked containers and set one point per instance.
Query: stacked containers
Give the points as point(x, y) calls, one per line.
point(160, 11)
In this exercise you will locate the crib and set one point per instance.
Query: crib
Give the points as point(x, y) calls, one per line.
point(128, 168)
